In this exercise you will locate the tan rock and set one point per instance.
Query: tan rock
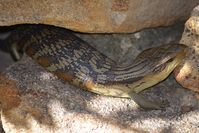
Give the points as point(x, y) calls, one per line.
point(96, 15)
point(10, 98)
point(188, 73)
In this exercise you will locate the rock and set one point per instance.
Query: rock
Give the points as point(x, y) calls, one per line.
point(188, 73)
point(96, 16)
point(130, 45)
point(35, 101)
point(34, 107)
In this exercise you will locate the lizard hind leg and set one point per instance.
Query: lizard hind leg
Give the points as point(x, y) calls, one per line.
point(147, 104)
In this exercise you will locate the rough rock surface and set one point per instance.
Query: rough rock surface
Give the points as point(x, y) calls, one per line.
point(33, 100)
point(96, 15)
point(188, 73)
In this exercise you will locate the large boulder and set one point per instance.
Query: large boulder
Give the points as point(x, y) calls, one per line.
point(96, 15)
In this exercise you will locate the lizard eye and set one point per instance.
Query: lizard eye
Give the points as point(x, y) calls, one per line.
point(170, 60)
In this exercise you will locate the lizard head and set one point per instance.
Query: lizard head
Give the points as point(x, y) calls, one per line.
point(160, 62)
point(158, 58)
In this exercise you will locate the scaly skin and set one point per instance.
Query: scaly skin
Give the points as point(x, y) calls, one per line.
point(75, 61)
